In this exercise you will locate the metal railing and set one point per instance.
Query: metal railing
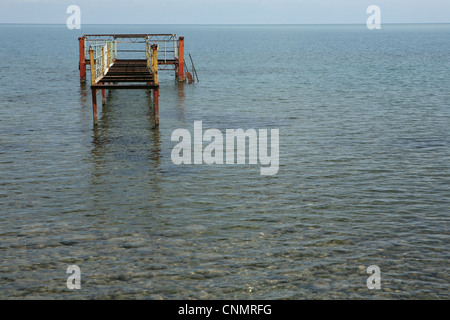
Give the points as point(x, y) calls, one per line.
point(152, 59)
point(102, 50)
point(101, 59)
point(167, 49)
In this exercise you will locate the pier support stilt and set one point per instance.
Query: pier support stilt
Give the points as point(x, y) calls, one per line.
point(82, 64)
point(94, 106)
point(107, 72)
point(181, 76)
point(156, 105)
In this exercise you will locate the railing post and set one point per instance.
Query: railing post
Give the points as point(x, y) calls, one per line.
point(82, 65)
point(155, 63)
point(115, 48)
point(102, 60)
point(147, 50)
point(92, 60)
point(175, 46)
point(181, 76)
point(111, 54)
point(165, 51)
point(108, 59)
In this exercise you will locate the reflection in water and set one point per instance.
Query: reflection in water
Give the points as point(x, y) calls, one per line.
point(83, 93)
point(181, 100)
point(155, 155)
point(151, 108)
point(107, 129)
point(364, 178)
point(126, 143)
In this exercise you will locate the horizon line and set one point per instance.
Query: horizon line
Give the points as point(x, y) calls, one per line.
point(223, 24)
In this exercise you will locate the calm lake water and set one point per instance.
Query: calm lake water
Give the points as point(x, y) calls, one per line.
point(364, 175)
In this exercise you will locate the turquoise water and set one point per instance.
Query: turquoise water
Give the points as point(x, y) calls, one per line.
point(364, 179)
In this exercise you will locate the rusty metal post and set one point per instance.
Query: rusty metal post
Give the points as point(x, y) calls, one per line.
point(103, 97)
point(92, 63)
point(181, 76)
point(156, 105)
point(94, 106)
point(155, 63)
point(82, 64)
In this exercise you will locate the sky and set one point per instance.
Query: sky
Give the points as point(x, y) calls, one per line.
point(224, 11)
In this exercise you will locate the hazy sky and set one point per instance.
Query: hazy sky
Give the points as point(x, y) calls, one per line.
point(224, 11)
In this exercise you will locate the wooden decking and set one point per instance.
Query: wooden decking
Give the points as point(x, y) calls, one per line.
point(127, 74)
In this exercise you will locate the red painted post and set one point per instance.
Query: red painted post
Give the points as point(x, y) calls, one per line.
point(156, 105)
point(94, 106)
point(181, 59)
point(82, 65)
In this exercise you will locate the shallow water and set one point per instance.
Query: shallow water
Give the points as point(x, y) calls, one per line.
point(363, 180)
